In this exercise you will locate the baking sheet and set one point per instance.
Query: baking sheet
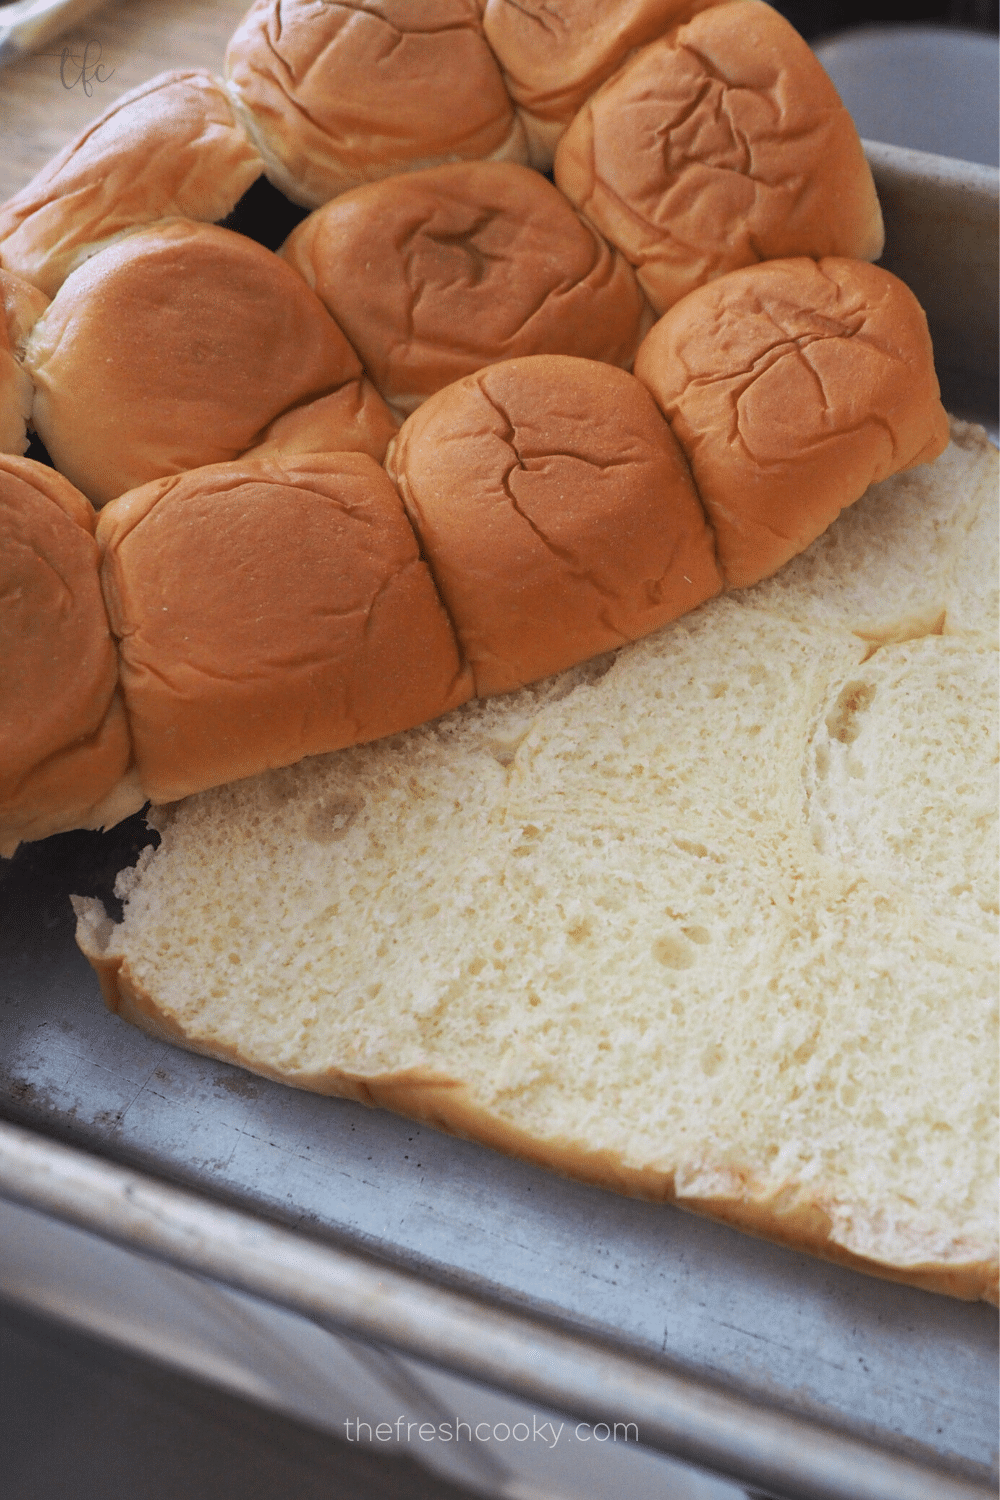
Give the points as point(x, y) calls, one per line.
point(910, 1371)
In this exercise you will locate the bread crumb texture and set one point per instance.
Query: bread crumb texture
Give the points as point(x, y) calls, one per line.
point(711, 917)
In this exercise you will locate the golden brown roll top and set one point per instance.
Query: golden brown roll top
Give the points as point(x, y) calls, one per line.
point(169, 149)
point(555, 53)
point(556, 512)
point(792, 386)
point(722, 144)
point(340, 94)
point(64, 745)
point(437, 273)
point(267, 610)
point(351, 419)
point(175, 348)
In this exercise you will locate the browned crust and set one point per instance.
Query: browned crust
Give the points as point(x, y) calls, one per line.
point(269, 609)
point(792, 386)
point(175, 348)
point(170, 147)
point(337, 94)
point(64, 742)
point(798, 1220)
point(557, 513)
point(721, 144)
point(554, 58)
point(433, 275)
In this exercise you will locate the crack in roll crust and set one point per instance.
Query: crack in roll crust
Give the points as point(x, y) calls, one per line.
point(436, 274)
point(270, 609)
point(557, 513)
point(555, 53)
point(170, 148)
point(340, 94)
point(722, 144)
point(792, 386)
point(202, 336)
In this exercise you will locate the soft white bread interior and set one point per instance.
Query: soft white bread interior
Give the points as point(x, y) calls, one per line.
point(719, 145)
point(339, 94)
point(170, 148)
point(712, 918)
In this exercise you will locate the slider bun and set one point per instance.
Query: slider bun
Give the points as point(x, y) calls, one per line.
point(792, 386)
point(340, 94)
point(172, 349)
point(436, 274)
point(554, 58)
point(556, 511)
point(169, 149)
point(270, 609)
point(353, 419)
point(63, 739)
point(21, 305)
point(720, 145)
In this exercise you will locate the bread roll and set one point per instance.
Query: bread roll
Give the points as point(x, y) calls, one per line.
point(554, 56)
point(556, 512)
point(21, 305)
point(340, 94)
point(712, 921)
point(722, 144)
point(353, 419)
point(266, 610)
point(435, 274)
point(175, 348)
point(792, 386)
point(64, 746)
point(170, 148)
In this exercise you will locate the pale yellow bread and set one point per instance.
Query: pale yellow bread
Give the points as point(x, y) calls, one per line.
point(710, 919)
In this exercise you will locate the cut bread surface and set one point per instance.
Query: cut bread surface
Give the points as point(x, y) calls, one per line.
point(712, 917)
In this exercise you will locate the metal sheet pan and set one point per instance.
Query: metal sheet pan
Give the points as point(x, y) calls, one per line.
point(781, 1333)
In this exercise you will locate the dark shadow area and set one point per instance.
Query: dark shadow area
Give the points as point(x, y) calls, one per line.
point(816, 18)
point(264, 214)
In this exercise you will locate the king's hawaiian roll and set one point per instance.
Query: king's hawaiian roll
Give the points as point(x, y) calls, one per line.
point(722, 144)
point(352, 419)
point(171, 148)
point(437, 273)
point(64, 744)
point(21, 305)
point(269, 609)
point(557, 514)
point(175, 348)
point(339, 94)
point(792, 386)
point(555, 55)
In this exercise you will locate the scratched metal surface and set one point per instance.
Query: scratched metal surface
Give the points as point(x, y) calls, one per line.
point(911, 1370)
